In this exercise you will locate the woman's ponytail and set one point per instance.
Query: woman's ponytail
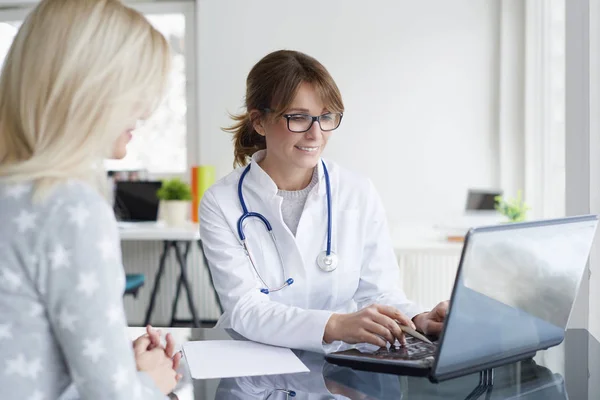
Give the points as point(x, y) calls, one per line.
point(245, 139)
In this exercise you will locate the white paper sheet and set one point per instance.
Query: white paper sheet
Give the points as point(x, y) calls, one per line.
point(211, 359)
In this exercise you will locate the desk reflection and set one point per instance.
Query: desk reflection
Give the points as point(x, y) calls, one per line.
point(324, 381)
point(525, 380)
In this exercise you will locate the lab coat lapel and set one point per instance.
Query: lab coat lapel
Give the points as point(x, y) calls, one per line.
point(261, 194)
point(299, 253)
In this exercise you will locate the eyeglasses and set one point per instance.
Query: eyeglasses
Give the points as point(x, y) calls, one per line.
point(303, 122)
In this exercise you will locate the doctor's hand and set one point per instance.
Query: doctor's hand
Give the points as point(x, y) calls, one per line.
point(375, 324)
point(432, 322)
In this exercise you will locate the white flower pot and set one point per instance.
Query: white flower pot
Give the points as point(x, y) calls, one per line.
point(175, 212)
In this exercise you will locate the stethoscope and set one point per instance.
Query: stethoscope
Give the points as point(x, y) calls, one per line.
point(326, 260)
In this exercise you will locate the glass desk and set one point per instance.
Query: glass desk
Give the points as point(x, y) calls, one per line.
point(568, 371)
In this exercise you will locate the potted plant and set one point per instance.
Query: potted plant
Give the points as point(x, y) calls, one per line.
point(175, 196)
point(515, 210)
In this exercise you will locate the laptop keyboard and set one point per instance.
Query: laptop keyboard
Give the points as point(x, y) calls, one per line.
point(414, 349)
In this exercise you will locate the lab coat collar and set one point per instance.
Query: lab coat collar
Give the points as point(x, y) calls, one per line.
point(266, 186)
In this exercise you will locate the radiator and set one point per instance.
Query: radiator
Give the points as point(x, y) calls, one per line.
point(427, 275)
point(143, 258)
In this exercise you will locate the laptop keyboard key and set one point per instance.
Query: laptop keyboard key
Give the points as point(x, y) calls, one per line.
point(413, 350)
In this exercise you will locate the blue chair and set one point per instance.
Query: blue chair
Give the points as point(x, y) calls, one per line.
point(133, 283)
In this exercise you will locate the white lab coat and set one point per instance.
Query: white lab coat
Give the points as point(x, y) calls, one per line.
point(296, 316)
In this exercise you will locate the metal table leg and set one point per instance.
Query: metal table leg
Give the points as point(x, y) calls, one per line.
point(157, 277)
point(183, 280)
point(176, 301)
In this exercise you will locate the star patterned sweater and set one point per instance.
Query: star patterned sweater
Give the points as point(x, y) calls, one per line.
point(61, 308)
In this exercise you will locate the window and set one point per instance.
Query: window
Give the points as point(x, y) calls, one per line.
point(8, 31)
point(160, 144)
point(555, 170)
point(545, 108)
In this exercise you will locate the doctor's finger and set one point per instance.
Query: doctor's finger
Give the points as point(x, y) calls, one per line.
point(380, 330)
point(392, 326)
point(394, 313)
point(434, 327)
point(371, 338)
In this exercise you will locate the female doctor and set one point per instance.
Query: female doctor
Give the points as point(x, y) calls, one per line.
point(298, 247)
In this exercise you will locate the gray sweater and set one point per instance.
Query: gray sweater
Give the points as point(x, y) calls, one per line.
point(61, 305)
point(293, 203)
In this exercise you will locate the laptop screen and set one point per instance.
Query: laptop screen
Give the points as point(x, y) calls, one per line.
point(515, 291)
point(136, 201)
point(481, 201)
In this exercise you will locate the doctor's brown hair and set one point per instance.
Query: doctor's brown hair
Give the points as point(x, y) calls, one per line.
point(272, 84)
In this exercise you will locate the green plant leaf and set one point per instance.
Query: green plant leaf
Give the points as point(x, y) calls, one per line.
point(174, 189)
point(514, 209)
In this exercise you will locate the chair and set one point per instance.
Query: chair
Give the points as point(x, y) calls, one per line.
point(133, 283)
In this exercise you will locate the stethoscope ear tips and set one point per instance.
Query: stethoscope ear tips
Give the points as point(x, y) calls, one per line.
point(265, 291)
point(289, 281)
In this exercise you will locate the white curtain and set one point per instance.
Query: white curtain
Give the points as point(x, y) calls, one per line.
point(531, 123)
point(531, 126)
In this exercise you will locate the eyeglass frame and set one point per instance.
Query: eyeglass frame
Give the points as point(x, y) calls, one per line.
point(313, 119)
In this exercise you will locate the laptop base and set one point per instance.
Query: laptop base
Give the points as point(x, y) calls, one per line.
point(356, 360)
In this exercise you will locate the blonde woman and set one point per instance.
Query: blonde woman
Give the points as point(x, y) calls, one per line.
point(78, 76)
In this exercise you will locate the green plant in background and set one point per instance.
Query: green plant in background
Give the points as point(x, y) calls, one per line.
point(513, 209)
point(174, 189)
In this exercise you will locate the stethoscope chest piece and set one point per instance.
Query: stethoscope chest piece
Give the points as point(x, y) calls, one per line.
point(326, 262)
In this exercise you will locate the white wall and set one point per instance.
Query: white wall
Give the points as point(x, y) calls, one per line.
point(594, 117)
point(583, 143)
point(419, 81)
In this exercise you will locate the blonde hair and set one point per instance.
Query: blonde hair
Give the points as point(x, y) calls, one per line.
point(272, 84)
point(76, 72)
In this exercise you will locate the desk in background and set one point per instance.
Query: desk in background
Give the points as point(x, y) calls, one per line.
point(175, 240)
point(568, 371)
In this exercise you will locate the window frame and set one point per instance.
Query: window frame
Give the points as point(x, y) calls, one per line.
point(187, 8)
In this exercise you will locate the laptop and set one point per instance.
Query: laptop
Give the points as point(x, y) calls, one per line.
point(513, 295)
point(482, 200)
point(136, 201)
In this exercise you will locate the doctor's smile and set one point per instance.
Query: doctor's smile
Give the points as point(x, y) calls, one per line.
point(307, 149)
point(297, 245)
